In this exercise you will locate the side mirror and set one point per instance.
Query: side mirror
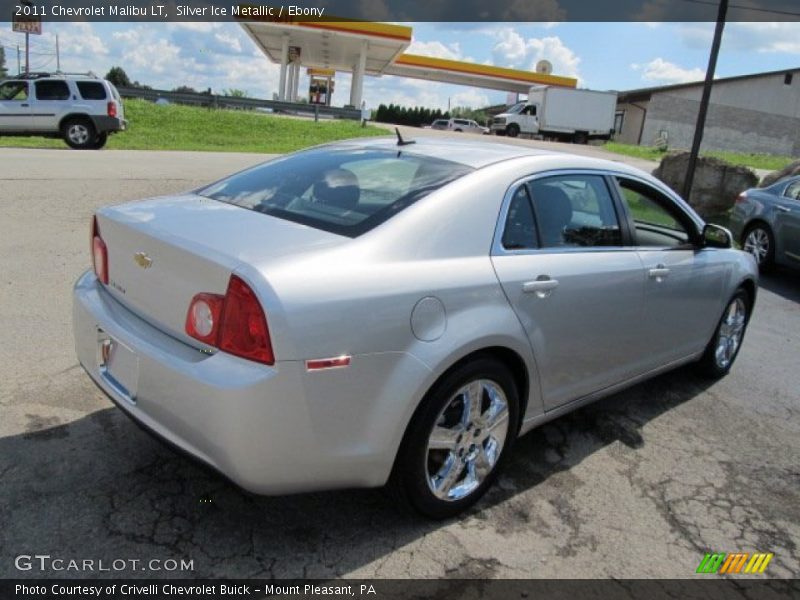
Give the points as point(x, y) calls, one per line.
point(716, 236)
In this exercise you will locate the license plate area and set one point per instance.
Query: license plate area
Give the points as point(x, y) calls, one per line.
point(118, 365)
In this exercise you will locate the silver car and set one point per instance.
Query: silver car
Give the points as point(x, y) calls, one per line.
point(766, 221)
point(370, 312)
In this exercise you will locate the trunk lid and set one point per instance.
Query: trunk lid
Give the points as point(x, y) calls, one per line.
point(163, 251)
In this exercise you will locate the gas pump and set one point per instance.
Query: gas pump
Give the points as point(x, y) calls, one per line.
point(320, 87)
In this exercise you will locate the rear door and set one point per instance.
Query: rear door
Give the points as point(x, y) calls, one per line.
point(684, 282)
point(15, 107)
point(562, 259)
point(52, 98)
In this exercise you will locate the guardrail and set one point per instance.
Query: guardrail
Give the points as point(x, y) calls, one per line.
point(214, 101)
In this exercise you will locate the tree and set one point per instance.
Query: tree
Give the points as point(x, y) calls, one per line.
point(234, 93)
point(118, 77)
point(185, 89)
point(3, 70)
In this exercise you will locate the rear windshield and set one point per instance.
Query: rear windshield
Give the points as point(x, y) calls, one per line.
point(347, 192)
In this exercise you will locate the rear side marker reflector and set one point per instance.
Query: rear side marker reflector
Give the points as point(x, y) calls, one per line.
point(327, 363)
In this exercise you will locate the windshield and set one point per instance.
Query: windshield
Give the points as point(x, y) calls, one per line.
point(347, 192)
point(516, 108)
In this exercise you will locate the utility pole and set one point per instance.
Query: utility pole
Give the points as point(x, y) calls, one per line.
point(58, 56)
point(19, 61)
point(704, 100)
point(27, 53)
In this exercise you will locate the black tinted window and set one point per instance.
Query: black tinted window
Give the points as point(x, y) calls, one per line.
point(347, 192)
point(91, 90)
point(520, 230)
point(575, 210)
point(52, 90)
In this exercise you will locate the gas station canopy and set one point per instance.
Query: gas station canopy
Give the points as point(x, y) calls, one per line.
point(375, 49)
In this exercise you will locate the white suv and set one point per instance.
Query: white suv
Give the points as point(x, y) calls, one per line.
point(81, 109)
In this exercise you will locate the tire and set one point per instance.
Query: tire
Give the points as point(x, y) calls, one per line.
point(759, 241)
point(79, 133)
point(470, 451)
point(580, 138)
point(100, 141)
point(726, 342)
point(512, 130)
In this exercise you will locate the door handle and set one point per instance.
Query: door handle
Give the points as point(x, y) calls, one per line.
point(542, 287)
point(24, 105)
point(658, 273)
point(783, 208)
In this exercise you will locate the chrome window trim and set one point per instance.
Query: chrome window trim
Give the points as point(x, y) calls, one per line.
point(786, 189)
point(497, 242)
point(680, 204)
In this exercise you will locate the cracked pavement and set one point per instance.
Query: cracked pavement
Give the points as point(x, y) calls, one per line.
point(640, 484)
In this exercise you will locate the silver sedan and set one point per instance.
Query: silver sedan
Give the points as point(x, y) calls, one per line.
point(370, 312)
point(766, 221)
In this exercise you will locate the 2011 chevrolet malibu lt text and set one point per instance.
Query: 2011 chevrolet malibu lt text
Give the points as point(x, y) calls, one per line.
point(374, 312)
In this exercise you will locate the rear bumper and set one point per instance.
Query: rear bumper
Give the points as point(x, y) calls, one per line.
point(105, 124)
point(271, 430)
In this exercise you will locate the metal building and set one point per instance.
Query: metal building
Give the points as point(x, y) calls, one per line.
point(757, 113)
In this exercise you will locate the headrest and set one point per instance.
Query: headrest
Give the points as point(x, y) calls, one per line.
point(339, 188)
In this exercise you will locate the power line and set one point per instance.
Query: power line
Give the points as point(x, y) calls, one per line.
point(750, 8)
point(14, 48)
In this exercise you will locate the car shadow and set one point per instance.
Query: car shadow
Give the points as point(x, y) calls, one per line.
point(98, 487)
point(782, 281)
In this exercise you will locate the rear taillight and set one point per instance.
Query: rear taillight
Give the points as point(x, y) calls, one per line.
point(112, 109)
point(235, 323)
point(99, 254)
point(741, 198)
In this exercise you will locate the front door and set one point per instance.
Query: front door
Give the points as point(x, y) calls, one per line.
point(15, 109)
point(683, 282)
point(576, 288)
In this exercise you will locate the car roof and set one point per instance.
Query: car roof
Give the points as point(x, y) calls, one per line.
point(480, 153)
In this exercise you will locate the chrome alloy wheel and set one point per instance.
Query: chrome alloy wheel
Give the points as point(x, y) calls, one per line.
point(757, 244)
point(78, 133)
point(731, 331)
point(466, 440)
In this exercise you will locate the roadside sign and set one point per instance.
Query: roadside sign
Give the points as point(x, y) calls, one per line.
point(22, 24)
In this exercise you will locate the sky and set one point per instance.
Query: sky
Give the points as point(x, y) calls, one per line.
point(603, 56)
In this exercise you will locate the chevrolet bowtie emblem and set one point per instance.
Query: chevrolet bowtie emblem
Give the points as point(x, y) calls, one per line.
point(143, 260)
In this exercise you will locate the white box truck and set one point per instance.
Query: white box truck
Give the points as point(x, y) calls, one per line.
point(564, 114)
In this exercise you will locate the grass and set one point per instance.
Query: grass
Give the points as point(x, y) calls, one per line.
point(176, 127)
point(768, 162)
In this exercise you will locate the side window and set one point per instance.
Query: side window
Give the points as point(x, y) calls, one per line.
point(575, 210)
point(793, 191)
point(91, 90)
point(519, 232)
point(529, 110)
point(52, 90)
point(14, 90)
point(655, 223)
